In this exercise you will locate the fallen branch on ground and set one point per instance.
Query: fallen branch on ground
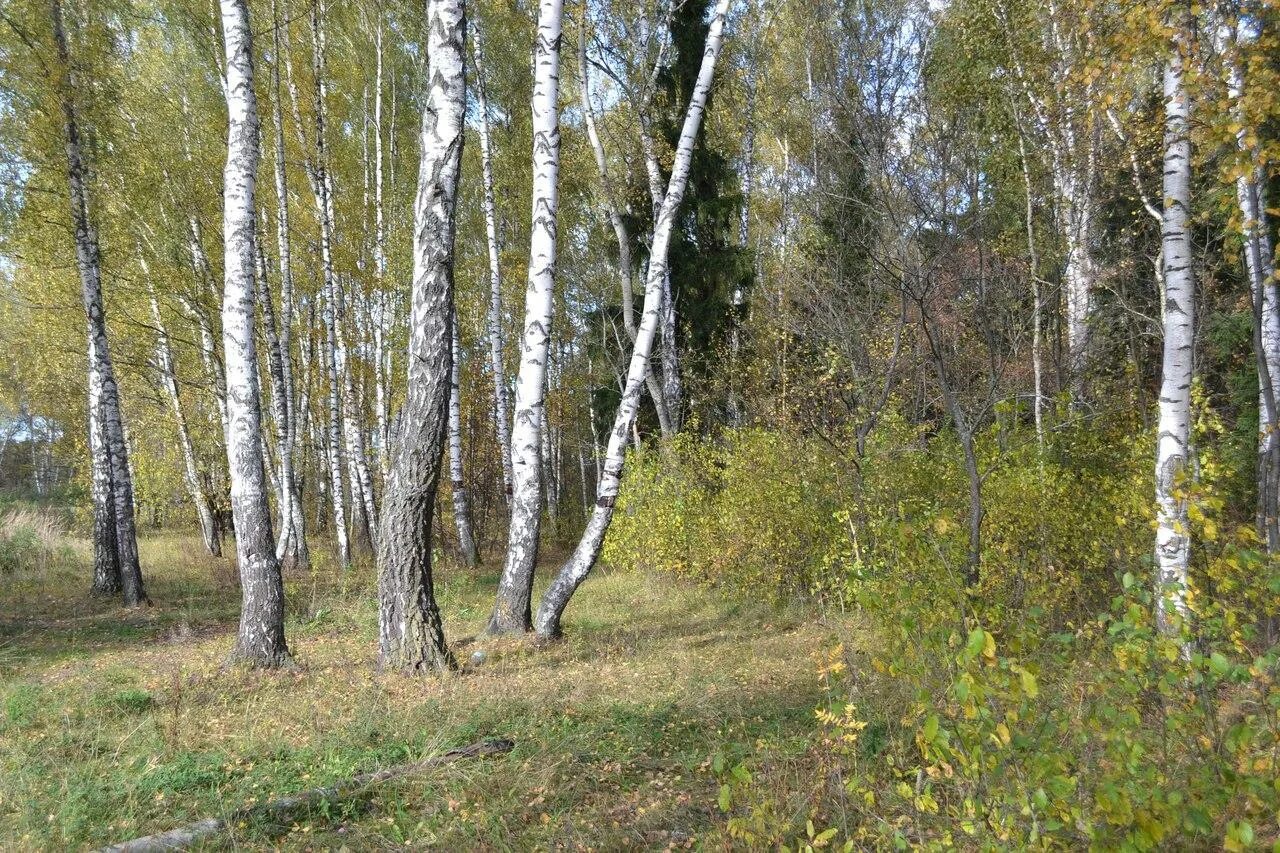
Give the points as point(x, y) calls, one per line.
point(184, 836)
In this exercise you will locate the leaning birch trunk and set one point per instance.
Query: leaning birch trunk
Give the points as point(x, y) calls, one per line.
point(410, 633)
point(461, 500)
point(320, 187)
point(626, 267)
point(669, 400)
point(260, 640)
point(500, 406)
point(579, 565)
point(190, 469)
point(1173, 450)
point(104, 394)
point(511, 612)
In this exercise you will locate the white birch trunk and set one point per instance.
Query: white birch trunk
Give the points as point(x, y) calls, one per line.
point(461, 500)
point(410, 633)
point(1033, 262)
point(260, 640)
point(118, 558)
point(320, 186)
point(1260, 265)
point(580, 563)
point(501, 413)
point(511, 613)
point(1173, 441)
point(190, 467)
point(106, 560)
point(295, 543)
point(382, 397)
point(282, 479)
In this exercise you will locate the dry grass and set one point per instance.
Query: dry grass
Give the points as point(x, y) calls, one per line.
point(116, 724)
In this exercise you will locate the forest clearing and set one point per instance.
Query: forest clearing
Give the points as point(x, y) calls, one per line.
point(639, 424)
point(118, 726)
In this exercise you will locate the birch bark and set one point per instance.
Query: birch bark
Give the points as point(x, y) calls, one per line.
point(295, 543)
point(1173, 441)
point(320, 186)
point(511, 612)
point(382, 397)
point(260, 639)
point(190, 466)
point(112, 453)
point(410, 633)
point(584, 556)
point(1260, 265)
point(461, 499)
point(279, 405)
point(106, 560)
point(497, 367)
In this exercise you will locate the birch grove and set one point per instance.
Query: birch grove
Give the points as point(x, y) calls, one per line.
point(872, 284)
point(494, 316)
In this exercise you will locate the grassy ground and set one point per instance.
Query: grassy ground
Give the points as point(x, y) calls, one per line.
point(116, 724)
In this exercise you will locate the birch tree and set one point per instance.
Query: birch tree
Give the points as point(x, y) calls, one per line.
point(1173, 440)
point(511, 612)
point(580, 563)
point(293, 536)
point(501, 415)
point(321, 190)
point(260, 640)
point(461, 499)
point(1255, 229)
point(410, 633)
point(190, 467)
point(116, 564)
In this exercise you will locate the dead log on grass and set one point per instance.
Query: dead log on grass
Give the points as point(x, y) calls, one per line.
point(185, 836)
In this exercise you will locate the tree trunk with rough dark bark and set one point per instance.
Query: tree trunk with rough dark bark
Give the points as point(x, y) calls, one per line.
point(410, 632)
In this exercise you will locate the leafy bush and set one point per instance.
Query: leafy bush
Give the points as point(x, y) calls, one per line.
point(757, 511)
point(1040, 708)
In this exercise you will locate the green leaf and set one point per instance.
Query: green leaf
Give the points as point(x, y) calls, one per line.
point(973, 648)
point(724, 798)
point(1029, 685)
point(1219, 664)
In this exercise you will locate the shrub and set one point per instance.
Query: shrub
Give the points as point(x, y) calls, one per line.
point(1041, 708)
point(756, 511)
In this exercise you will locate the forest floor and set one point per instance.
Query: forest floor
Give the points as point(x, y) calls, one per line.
point(116, 724)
